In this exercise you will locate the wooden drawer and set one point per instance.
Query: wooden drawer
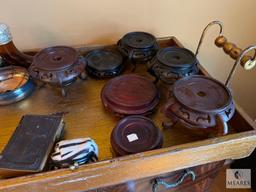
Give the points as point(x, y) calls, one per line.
point(87, 118)
point(204, 176)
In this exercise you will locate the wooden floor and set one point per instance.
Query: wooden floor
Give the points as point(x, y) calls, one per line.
point(220, 184)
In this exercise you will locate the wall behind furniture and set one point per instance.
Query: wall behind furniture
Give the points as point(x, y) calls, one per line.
point(38, 24)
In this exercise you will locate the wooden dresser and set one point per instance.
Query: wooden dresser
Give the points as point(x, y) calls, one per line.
point(85, 117)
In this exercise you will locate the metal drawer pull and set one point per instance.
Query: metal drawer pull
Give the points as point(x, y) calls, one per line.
point(159, 181)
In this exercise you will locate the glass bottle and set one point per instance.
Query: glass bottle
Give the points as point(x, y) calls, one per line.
point(9, 52)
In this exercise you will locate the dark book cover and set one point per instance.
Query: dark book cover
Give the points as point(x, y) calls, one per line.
point(30, 145)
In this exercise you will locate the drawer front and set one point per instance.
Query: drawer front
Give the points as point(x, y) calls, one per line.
point(204, 176)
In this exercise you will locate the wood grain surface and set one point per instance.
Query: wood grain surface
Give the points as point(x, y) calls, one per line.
point(86, 116)
point(204, 176)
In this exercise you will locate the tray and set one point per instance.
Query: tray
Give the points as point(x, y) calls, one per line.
point(87, 117)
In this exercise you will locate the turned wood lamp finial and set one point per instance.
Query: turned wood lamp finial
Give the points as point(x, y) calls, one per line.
point(241, 56)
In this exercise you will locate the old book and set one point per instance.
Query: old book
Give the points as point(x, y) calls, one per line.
point(30, 145)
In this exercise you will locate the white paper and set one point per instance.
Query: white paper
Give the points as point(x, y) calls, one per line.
point(132, 137)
